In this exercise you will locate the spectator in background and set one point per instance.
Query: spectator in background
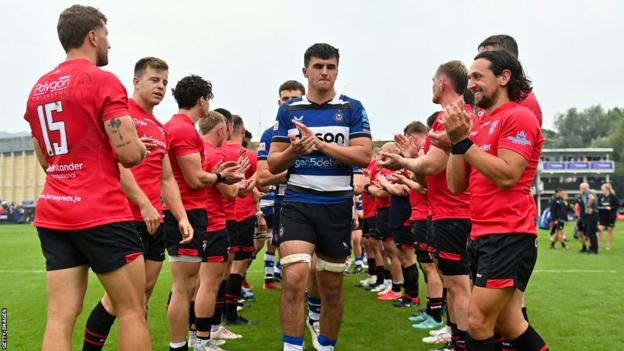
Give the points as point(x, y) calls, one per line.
point(558, 213)
point(589, 217)
point(608, 205)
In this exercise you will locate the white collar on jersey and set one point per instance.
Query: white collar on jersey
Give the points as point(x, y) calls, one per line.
point(335, 101)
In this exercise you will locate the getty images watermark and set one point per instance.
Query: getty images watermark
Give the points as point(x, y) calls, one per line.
point(4, 328)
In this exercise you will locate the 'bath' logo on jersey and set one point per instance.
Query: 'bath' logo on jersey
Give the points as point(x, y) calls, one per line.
point(520, 139)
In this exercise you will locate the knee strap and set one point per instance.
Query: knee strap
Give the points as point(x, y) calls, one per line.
point(322, 265)
point(295, 258)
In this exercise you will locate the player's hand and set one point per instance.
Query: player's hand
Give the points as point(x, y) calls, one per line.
point(149, 143)
point(307, 132)
point(262, 224)
point(231, 174)
point(151, 217)
point(302, 146)
point(186, 229)
point(244, 163)
point(391, 161)
point(440, 140)
point(456, 121)
point(407, 146)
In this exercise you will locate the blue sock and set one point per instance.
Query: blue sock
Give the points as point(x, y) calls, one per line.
point(359, 261)
point(278, 270)
point(314, 309)
point(292, 340)
point(324, 341)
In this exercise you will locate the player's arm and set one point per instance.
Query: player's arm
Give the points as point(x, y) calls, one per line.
point(283, 154)
point(457, 174)
point(393, 189)
point(40, 156)
point(133, 191)
point(432, 163)
point(504, 170)
point(129, 149)
point(171, 194)
point(249, 185)
point(358, 183)
point(266, 178)
point(196, 178)
point(410, 183)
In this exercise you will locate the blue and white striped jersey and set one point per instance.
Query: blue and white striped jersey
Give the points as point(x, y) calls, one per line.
point(276, 193)
point(318, 178)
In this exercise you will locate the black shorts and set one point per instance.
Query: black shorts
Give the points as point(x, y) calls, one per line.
point(580, 226)
point(502, 260)
point(559, 225)
point(381, 224)
point(245, 238)
point(194, 248)
point(105, 248)
point(232, 230)
point(419, 231)
point(452, 237)
point(217, 246)
point(326, 226)
point(368, 228)
point(277, 210)
point(269, 221)
point(606, 220)
point(153, 245)
point(432, 241)
point(404, 238)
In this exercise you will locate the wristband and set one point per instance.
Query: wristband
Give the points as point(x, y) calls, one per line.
point(460, 147)
point(220, 177)
point(366, 186)
point(259, 213)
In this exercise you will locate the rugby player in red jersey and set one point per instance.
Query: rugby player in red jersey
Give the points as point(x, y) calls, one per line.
point(496, 158)
point(186, 152)
point(143, 185)
point(450, 212)
point(81, 128)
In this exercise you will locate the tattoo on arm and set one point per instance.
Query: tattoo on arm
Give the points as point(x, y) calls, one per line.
point(116, 124)
point(122, 144)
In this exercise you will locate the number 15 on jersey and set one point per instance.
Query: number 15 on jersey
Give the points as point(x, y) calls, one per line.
point(48, 125)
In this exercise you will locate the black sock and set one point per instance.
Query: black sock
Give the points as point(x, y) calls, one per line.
point(434, 307)
point(460, 340)
point(488, 344)
point(97, 328)
point(192, 323)
point(232, 294)
point(524, 313)
point(410, 280)
point(387, 274)
point(203, 325)
point(371, 266)
point(530, 340)
point(181, 348)
point(380, 274)
point(552, 244)
point(219, 304)
point(396, 287)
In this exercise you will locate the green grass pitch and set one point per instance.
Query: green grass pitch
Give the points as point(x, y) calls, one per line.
point(576, 302)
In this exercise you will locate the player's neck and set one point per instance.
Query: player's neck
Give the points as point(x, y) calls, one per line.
point(146, 106)
point(192, 114)
point(501, 99)
point(74, 54)
point(211, 139)
point(320, 97)
point(235, 141)
point(450, 98)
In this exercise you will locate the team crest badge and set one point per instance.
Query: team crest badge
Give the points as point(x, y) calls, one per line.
point(338, 117)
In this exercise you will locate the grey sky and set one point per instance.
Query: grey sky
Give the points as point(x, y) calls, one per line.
point(572, 50)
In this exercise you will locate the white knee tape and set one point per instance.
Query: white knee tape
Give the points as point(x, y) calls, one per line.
point(295, 258)
point(322, 265)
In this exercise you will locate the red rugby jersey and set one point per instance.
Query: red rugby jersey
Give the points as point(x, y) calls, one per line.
point(230, 153)
point(245, 207)
point(183, 139)
point(420, 206)
point(494, 211)
point(148, 173)
point(66, 111)
point(369, 203)
point(214, 199)
point(531, 103)
point(385, 202)
point(444, 204)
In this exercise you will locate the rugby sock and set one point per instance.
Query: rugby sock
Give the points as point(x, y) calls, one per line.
point(488, 344)
point(371, 266)
point(178, 346)
point(453, 327)
point(460, 340)
point(524, 313)
point(192, 326)
point(232, 294)
point(530, 341)
point(97, 328)
point(219, 304)
point(314, 309)
point(326, 343)
point(396, 287)
point(278, 270)
point(358, 261)
point(203, 326)
point(434, 308)
point(269, 263)
point(387, 274)
point(410, 280)
point(292, 343)
point(380, 275)
point(552, 244)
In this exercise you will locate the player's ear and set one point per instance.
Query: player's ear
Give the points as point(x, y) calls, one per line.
point(135, 82)
point(305, 72)
point(92, 38)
